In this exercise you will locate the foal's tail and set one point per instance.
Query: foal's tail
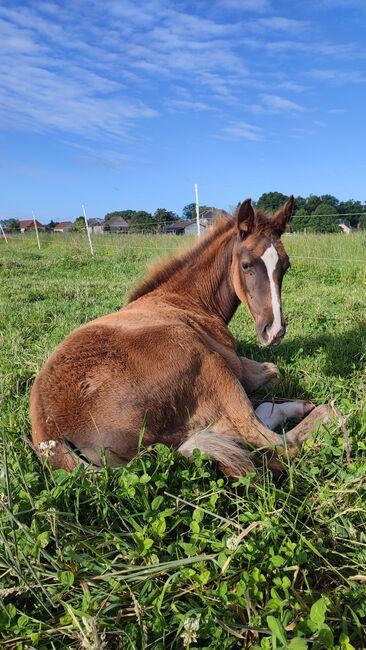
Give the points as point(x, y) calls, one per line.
point(232, 458)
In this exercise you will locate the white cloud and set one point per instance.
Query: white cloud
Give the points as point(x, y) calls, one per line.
point(244, 130)
point(281, 24)
point(257, 6)
point(289, 47)
point(337, 76)
point(275, 104)
point(98, 70)
point(185, 104)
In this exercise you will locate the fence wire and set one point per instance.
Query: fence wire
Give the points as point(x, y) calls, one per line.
point(154, 246)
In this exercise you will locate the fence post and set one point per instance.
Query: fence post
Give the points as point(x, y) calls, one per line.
point(87, 230)
point(36, 229)
point(2, 230)
point(197, 211)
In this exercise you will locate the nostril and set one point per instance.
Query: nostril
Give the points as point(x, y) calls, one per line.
point(282, 331)
point(265, 333)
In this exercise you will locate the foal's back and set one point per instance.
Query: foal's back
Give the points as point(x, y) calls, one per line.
point(107, 375)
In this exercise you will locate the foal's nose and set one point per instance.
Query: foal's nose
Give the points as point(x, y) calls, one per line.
point(271, 337)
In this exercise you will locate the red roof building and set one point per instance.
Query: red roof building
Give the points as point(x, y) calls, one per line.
point(64, 226)
point(29, 223)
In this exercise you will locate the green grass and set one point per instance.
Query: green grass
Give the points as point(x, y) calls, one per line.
point(122, 559)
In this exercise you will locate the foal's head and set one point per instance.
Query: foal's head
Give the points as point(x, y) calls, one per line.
point(259, 264)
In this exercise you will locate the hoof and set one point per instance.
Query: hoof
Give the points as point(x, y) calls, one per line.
point(317, 416)
point(308, 407)
point(271, 372)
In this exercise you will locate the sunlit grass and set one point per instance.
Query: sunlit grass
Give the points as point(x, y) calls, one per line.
point(124, 558)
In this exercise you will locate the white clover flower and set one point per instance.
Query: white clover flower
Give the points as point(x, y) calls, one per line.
point(46, 448)
point(191, 627)
point(232, 543)
point(3, 500)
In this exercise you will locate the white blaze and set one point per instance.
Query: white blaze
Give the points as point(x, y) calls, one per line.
point(270, 258)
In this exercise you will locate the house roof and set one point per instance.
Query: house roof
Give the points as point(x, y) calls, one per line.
point(28, 223)
point(117, 221)
point(177, 225)
point(212, 215)
point(95, 222)
point(63, 224)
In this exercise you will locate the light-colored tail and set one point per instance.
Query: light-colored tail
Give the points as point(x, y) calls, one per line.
point(231, 456)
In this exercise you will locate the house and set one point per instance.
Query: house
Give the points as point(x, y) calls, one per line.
point(64, 226)
point(116, 225)
point(95, 226)
point(175, 227)
point(209, 217)
point(345, 225)
point(27, 224)
point(191, 228)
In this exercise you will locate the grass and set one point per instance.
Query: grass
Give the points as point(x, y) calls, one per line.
point(138, 557)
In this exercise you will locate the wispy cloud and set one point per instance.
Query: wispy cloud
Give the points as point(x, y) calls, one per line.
point(102, 71)
point(100, 156)
point(290, 47)
point(187, 105)
point(257, 6)
point(337, 76)
point(280, 24)
point(244, 130)
point(275, 104)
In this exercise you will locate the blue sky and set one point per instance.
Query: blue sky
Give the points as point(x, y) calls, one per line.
point(121, 104)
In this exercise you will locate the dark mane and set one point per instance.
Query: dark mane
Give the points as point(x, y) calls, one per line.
point(162, 272)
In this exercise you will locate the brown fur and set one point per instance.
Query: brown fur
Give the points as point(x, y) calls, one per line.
point(166, 362)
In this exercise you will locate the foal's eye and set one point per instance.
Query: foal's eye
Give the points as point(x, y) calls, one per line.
point(246, 266)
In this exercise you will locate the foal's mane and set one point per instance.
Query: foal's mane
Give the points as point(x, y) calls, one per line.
point(163, 271)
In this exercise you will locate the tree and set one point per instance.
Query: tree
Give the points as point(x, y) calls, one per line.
point(161, 216)
point(125, 214)
point(11, 225)
point(271, 201)
point(329, 199)
point(300, 204)
point(51, 225)
point(78, 225)
point(189, 211)
point(142, 222)
point(300, 220)
point(362, 221)
point(353, 209)
point(324, 219)
point(312, 203)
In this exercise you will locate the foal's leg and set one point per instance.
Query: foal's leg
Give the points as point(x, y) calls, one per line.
point(255, 374)
point(224, 400)
point(272, 415)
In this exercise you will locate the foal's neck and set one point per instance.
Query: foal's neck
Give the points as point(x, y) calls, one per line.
point(206, 284)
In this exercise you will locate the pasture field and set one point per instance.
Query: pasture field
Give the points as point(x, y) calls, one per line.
point(167, 554)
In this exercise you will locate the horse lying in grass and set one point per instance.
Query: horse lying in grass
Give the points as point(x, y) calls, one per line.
point(167, 361)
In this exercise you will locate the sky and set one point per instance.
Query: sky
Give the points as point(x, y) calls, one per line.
point(125, 105)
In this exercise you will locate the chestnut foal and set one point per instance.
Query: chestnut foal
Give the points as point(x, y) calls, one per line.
point(167, 360)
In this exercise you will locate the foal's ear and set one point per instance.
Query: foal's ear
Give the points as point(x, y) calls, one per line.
point(245, 218)
point(283, 215)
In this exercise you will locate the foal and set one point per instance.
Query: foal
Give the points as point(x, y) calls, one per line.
point(167, 360)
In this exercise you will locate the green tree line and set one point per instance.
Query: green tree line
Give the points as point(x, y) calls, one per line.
point(313, 214)
point(317, 213)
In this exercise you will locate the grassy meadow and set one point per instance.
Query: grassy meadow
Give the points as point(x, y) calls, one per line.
point(167, 554)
